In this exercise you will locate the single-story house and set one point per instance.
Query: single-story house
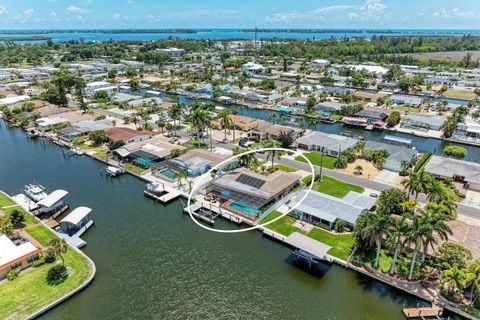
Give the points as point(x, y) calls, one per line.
point(323, 208)
point(372, 115)
point(16, 254)
point(459, 170)
point(330, 144)
point(469, 131)
point(244, 192)
point(407, 100)
point(265, 130)
point(397, 154)
point(127, 135)
point(423, 122)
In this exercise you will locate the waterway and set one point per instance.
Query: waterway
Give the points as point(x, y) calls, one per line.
point(222, 34)
point(421, 144)
point(153, 262)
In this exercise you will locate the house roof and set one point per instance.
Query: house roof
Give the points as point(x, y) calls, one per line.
point(76, 215)
point(397, 154)
point(329, 141)
point(11, 253)
point(379, 115)
point(52, 198)
point(330, 208)
point(448, 167)
point(307, 244)
point(122, 133)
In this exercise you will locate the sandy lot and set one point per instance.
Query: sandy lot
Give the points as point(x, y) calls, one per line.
point(466, 231)
point(446, 55)
point(369, 171)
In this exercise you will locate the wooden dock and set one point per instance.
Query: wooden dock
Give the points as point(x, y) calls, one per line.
point(167, 197)
point(423, 313)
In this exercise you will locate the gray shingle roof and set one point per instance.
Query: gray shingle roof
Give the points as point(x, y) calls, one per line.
point(448, 167)
point(329, 141)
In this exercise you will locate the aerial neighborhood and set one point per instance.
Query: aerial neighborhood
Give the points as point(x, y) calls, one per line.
point(234, 126)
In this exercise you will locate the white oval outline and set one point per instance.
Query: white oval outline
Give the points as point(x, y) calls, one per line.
point(235, 157)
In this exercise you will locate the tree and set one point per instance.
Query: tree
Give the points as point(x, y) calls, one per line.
point(200, 119)
point(181, 175)
point(245, 160)
point(176, 112)
point(396, 232)
point(79, 86)
point(393, 119)
point(135, 83)
point(97, 137)
point(17, 218)
point(312, 122)
point(161, 124)
point(101, 96)
point(454, 254)
point(456, 152)
point(454, 279)
point(310, 104)
point(391, 200)
point(358, 170)
point(433, 227)
point(225, 120)
point(449, 126)
point(418, 182)
point(286, 138)
point(474, 281)
point(271, 154)
point(57, 247)
point(6, 226)
point(375, 229)
point(413, 237)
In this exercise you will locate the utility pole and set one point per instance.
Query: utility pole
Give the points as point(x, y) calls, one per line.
point(321, 165)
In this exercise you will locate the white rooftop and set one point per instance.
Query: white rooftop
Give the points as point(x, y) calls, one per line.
point(52, 198)
point(10, 252)
point(77, 215)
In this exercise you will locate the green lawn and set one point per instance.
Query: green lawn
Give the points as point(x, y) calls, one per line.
point(134, 168)
point(283, 226)
point(6, 201)
point(31, 291)
point(314, 157)
point(336, 188)
point(341, 244)
point(285, 168)
point(384, 263)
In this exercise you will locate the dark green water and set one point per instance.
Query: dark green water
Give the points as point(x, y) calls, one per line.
point(153, 262)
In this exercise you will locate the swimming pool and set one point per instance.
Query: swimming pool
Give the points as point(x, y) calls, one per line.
point(169, 174)
point(245, 208)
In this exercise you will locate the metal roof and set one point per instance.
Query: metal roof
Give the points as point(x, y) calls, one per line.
point(307, 244)
point(76, 215)
point(52, 198)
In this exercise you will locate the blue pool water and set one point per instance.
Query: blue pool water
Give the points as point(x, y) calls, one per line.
point(70, 136)
point(243, 207)
point(169, 173)
point(147, 163)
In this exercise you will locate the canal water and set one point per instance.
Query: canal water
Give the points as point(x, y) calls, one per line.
point(153, 262)
point(421, 144)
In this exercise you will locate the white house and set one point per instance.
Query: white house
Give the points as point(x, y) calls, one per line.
point(93, 87)
point(176, 52)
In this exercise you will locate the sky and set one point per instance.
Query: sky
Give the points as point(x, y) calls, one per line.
point(361, 14)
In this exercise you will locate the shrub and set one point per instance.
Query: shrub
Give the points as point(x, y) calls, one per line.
point(17, 218)
point(456, 152)
point(393, 119)
point(56, 273)
point(49, 257)
point(12, 274)
point(341, 162)
point(38, 263)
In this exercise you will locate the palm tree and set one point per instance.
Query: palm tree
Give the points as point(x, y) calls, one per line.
point(453, 278)
point(433, 227)
point(312, 122)
point(200, 120)
point(225, 120)
point(273, 117)
point(57, 247)
point(180, 176)
point(161, 124)
point(397, 228)
point(375, 229)
point(474, 280)
point(245, 159)
point(272, 153)
point(6, 226)
point(176, 112)
point(417, 182)
point(358, 170)
point(413, 237)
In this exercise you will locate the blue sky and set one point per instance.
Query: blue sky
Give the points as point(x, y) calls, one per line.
point(396, 14)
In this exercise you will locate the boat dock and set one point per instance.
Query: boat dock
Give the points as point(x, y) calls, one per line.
point(167, 195)
point(207, 212)
point(432, 312)
point(75, 239)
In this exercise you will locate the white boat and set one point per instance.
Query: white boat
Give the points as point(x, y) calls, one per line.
point(36, 192)
point(77, 151)
point(114, 171)
point(155, 188)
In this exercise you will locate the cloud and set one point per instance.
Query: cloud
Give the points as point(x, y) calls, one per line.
point(339, 7)
point(116, 16)
point(374, 6)
point(285, 17)
point(29, 12)
point(3, 10)
point(74, 9)
point(455, 13)
point(53, 14)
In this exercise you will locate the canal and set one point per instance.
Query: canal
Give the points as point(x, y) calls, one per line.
point(421, 144)
point(153, 262)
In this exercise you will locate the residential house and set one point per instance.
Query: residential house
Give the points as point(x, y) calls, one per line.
point(423, 122)
point(127, 135)
point(16, 254)
point(329, 144)
point(397, 154)
point(462, 171)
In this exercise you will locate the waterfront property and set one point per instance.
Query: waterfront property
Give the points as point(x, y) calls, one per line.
point(423, 122)
point(397, 155)
point(146, 153)
point(468, 131)
point(322, 208)
point(52, 204)
point(329, 144)
point(127, 135)
point(245, 192)
point(16, 254)
point(407, 100)
point(193, 162)
point(75, 220)
point(461, 171)
point(265, 130)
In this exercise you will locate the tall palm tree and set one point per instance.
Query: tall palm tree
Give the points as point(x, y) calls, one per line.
point(374, 231)
point(176, 112)
point(474, 280)
point(271, 154)
point(181, 175)
point(161, 124)
point(57, 247)
point(200, 120)
point(312, 122)
point(245, 159)
point(413, 237)
point(433, 227)
point(225, 120)
point(396, 230)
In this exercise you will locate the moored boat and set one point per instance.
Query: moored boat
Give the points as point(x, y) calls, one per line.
point(36, 192)
point(114, 171)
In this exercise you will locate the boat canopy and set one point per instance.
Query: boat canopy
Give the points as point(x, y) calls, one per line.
point(52, 198)
point(77, 215)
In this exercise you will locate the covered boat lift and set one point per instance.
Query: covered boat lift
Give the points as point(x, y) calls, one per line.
point(309, 249)
point(52, 204)
point(76, 220)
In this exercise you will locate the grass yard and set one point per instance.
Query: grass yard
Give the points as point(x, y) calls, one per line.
point(5, 201)
point(134, 168)
point(283, 226)
point(285, 168)
point(31, 290)
point(336, 188)
point(384, 262)
point(341, 244)
point(314, 157)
